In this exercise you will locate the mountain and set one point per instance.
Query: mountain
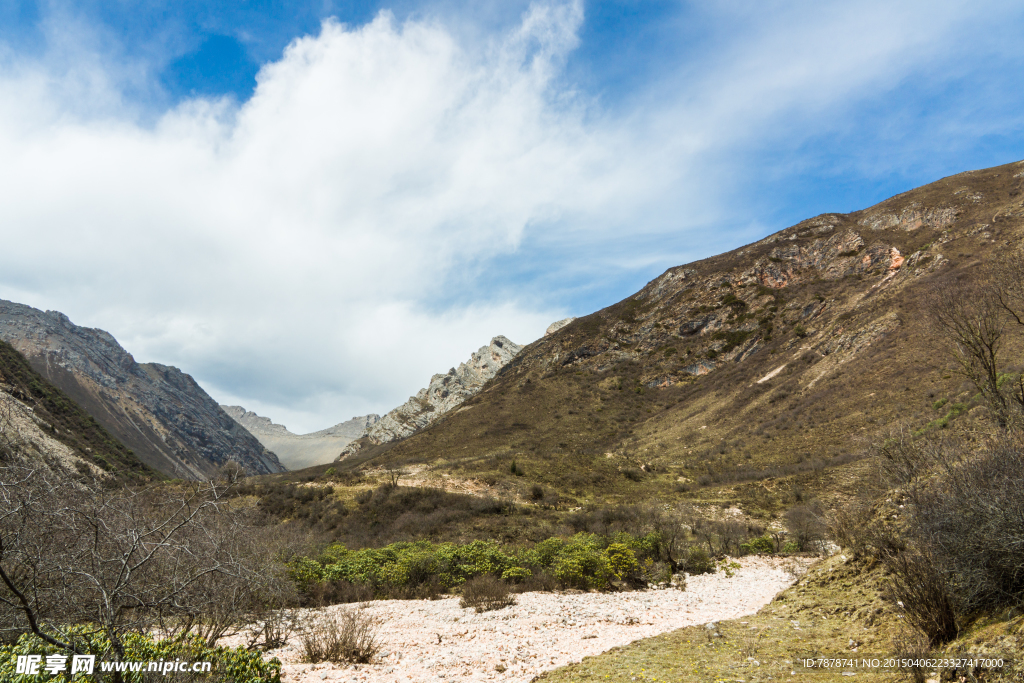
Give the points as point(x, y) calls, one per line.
point(159, 412)
point(297, 451)
point(444, 393)
point(785, 356)
point(41, 424)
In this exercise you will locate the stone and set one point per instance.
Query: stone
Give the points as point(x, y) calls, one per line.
point(557, 325)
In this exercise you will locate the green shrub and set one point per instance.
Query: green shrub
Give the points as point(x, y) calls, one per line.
point(763, 545)
point(516, 574)
point(583, 563)
point(402, 569)
point(621, 560)
point(698, 561)
point(790, 547)
point(229, 665)
point(548, 549)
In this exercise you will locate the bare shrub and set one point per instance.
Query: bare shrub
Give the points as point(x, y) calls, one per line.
point(427, 589)
point(913, 646)
point(274, 631)
point(484, 593)
point(846, 525)
point(972, 517)
point(540, 580)
point(916, 586)
point(350, 636)
point(806, 526)
point(174, 558)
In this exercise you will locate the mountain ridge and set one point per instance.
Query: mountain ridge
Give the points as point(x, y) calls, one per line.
point(740, 367)
point(158, 411)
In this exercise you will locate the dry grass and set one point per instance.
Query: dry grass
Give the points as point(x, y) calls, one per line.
point(837, 601)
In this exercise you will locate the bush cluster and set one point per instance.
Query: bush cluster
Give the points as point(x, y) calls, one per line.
point(584, 561)
point(956, 549)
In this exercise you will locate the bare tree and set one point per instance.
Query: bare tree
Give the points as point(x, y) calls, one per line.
point(126, 559)
point(971, 316)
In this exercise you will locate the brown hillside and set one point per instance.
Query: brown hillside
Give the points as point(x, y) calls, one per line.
point(62, 419)
point(777, 358)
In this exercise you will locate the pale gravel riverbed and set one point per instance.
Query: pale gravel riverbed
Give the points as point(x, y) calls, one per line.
point(542, 632)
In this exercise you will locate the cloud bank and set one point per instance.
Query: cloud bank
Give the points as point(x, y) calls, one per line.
point(394, 195)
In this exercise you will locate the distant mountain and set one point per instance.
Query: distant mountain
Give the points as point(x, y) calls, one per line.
point(444, 393)
point(40, 424)
point(158, 411)
point(297, 451)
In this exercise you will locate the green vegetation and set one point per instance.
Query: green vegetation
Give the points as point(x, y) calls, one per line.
point(584, 561)
point(228, 665)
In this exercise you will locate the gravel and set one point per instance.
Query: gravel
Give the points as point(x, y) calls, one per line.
point(431, 640)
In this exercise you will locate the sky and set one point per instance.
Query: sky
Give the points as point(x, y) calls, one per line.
point(313, 206)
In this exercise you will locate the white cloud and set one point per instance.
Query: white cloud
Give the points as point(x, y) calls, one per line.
point(322, 249)
point(291, 247)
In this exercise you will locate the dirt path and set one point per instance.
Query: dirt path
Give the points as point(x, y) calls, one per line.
point(425, 641)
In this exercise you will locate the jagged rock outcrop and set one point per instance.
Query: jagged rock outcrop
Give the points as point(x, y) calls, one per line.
point(557, 325)
point(158, 411)
point(296, 451)
point(444, 393)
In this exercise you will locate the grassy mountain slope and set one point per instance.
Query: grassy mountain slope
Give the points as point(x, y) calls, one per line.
point(778, 358)
point(63, 420)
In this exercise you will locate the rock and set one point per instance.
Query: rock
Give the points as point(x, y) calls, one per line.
point(444, 393)
point(158, 411)
point(557, 325)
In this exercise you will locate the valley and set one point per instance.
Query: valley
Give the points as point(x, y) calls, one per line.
point(841, 396)
point(298, 451)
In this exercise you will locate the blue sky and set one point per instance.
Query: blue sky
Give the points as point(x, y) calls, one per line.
point(313, 206)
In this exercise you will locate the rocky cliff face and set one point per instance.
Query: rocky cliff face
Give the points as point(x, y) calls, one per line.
point(158, 411)
point(444, 393)
point(297, 451)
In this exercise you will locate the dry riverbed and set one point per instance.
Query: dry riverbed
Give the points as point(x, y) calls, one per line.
point(436, 640)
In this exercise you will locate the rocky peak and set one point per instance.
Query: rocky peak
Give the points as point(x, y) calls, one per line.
point(256, 424)
point(441, 395)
